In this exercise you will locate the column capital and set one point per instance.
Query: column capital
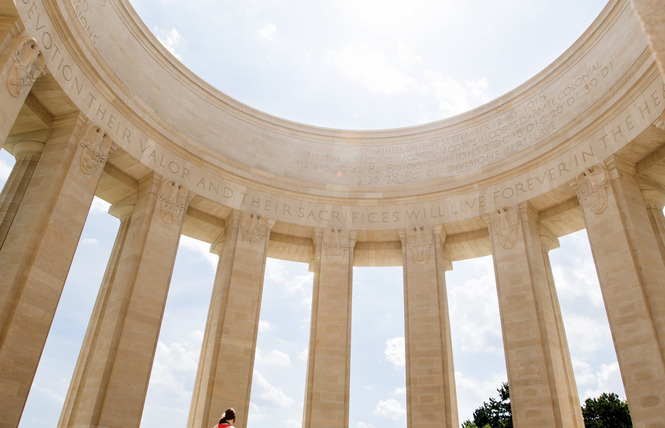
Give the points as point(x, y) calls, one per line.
point(653, 193)
point(548, 240)
point(123, 210)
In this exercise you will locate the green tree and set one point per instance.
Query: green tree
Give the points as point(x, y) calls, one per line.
point(495, 414)
point(606, 411)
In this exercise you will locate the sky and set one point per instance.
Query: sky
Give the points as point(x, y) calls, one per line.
point(355, 64)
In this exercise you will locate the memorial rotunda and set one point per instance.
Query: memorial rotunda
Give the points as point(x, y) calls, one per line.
point(579, 146)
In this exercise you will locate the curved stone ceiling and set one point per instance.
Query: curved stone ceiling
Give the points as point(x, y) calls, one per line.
point(526, 145)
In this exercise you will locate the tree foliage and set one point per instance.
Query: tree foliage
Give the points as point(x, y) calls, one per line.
point(495, 414)
point(606, 411)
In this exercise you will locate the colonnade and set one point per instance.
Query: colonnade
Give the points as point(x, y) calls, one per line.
point(58, 170)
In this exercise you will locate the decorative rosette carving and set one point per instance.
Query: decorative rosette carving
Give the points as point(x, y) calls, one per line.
point(28, 65)
point(96, 146)
point(173, 199)
point(592, 188)
point(505, 224)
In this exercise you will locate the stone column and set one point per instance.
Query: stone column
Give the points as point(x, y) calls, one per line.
point(549, 242)
point(226, 365)
point(654, 199)
point(37, 252)
point(21, 63)
point(632, 280)
point(539, 376)
point(328, 367)
point(112, 374)
point(27, 155)
point(431, 400)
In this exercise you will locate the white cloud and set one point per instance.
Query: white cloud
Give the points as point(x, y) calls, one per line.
point(364, 425)
point(268, 32)
point(474, 307)
point(264, 326)
point(281, 273)
point(302, 355)
point(170, 39)
point(272, 394)
point(367, 66)
point(390, 408)
point(585, 335)
point(274, 359)
point(174, 366)
point(607, 379)
point(202, 249)
point(5, 170)
point(400, 391)
point(89, 241)
point(99, 206)
point(395, 351)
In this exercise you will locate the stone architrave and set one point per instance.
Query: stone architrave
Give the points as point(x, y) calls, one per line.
point(328, 368)
point(631, 273)
point(21, 63)
point(430, 375)
point(27, 155)
point(112, 374)
point(226, 365)
point(537, 360)
point(35, 259)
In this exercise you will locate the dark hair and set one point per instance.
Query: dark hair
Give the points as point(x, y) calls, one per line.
point(228, 416)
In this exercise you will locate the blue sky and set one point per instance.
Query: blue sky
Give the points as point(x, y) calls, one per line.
point(347, 64)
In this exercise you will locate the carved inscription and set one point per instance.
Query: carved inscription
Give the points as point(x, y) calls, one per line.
point(28, 64)
point(82, 8)
point(96, 145)
point(451, 153)
point(505, 226)
point(592, 188)
point(499, 137)
point(173, 199)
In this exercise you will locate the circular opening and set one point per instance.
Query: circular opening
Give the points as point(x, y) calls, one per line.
point(366, 64)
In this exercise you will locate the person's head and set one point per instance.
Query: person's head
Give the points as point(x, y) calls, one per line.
point(229, 416)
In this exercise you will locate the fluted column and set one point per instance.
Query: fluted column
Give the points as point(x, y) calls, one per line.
point(27, 155)
point(37, 252)
point(632, 280)
point(430, 375)
point(534, 343)
point(226, 365)
point(21, 63)
point(328, 368)
point(111, 380)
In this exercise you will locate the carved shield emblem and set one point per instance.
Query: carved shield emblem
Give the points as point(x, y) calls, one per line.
point(505, 223)
point(253, 231)
point(173, 197)
point(28, 65)
point(96, 146)
point(592, 187)
point(335, 245)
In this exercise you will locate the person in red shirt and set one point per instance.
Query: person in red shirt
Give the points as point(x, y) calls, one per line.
point(228, 418)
